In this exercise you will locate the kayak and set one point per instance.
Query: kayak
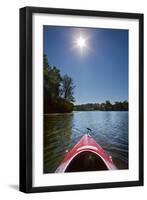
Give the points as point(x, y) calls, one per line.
point(86, 155)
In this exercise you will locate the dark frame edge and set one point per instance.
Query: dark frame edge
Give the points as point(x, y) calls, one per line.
point(84, 187)
point(141, 99)
point(82, 12)
point(22, 103)
point(25, 102)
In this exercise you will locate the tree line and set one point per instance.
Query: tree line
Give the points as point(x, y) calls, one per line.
point(107, 106)
point(58, 90)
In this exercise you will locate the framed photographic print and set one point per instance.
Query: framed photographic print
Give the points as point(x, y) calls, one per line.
point(81, 99)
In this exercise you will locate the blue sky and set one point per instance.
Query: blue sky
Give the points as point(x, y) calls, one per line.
point(100, 71)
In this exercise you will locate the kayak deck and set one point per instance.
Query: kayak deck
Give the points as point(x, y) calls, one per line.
point(86, 155)
point(86, 161)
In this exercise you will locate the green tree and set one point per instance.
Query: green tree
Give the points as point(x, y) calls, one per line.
point(108, 105)
point(67, 88)
point(125, 105)
point(52, 80)
point(58, 91)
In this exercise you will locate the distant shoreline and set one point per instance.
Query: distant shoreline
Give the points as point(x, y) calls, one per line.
point(58, 114)
point(100, 110)
point(60, 109)
point(106, 106)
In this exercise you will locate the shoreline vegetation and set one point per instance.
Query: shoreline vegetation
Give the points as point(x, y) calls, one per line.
point(59, 94)
point(58, 90)
point(107, 106)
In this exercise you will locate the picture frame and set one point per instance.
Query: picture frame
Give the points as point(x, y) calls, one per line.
point(31, 19)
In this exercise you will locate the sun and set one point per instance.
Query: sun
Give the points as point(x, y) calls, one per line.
point(81, 42)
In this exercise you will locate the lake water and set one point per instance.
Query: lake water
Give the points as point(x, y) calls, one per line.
point(63, 131)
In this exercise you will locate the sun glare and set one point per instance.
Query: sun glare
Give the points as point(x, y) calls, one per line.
point(81, 42)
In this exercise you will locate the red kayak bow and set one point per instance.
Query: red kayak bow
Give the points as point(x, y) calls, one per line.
point(86, 155)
